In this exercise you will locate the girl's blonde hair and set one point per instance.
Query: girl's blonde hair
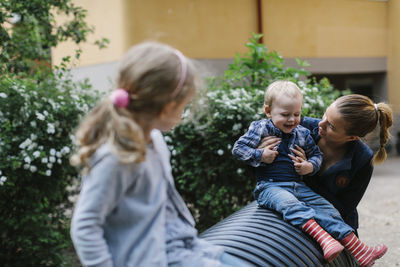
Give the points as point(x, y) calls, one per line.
point(362, 116)
point(150, 73)
point(278, 88)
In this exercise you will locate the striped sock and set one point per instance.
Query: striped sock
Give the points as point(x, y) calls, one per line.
point(329, 245)
point(365, 255)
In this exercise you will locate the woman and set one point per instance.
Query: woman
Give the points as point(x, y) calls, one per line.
point(347, 161)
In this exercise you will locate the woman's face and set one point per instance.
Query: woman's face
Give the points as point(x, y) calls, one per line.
point(332, 126)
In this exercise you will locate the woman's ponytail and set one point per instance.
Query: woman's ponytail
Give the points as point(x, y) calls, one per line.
point(385, 120)
point(363, 116)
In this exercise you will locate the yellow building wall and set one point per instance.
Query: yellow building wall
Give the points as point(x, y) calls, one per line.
point(219, 29)
point(326, 28)
point(200, 28)
point(105, 16)
point(393, 70)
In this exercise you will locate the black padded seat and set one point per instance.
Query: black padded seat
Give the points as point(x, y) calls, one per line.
point(260, 237)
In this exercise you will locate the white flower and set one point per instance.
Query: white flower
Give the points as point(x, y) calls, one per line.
point(49, 165)
point(33, 137)
point(48, 172)
point(3, 179)
point(239, 171)
point(58, 154)
point(59, 161)
point(74, 97)
point(40, 116)
point(236, 127)
point(32, 146)
point(3, 95)
point(50, 128)
point(229, 146)
point(45, 113)
point(36, 154)
point(33, 168)
point(44, 160)
point(174, 152)
point(33, 124)
point(65, 150)
point(27, 159)
point(26, 166)
point(53, 152)
point(52, 159)
point(220, 152)
point(26, 143)
point(1, 172)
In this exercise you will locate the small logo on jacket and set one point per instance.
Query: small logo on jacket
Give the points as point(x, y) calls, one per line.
point(342, 181)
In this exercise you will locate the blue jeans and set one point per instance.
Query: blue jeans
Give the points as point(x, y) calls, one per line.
point(298, 203)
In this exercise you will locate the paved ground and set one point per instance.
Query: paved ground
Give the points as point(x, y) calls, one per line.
point(379, 211)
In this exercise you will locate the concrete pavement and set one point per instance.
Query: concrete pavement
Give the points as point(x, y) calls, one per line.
point(379, 211)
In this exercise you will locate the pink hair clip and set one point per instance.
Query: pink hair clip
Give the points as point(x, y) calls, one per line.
point(120, 98)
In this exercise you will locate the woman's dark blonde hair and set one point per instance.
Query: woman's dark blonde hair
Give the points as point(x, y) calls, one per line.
point(150, 73)
point(362, 116)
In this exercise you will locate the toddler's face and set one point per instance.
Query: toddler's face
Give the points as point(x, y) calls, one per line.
point(285, 112)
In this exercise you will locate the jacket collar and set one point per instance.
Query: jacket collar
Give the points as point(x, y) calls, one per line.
point(344, 164)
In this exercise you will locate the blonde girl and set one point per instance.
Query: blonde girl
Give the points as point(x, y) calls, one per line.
point(129, 212)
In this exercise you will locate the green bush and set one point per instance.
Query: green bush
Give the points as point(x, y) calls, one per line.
point(208, 177)
point(39, 108)
point(37, 119)
point(28, 31)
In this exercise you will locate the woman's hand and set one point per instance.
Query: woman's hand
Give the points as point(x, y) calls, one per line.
point(269, 145)
point(300, 154)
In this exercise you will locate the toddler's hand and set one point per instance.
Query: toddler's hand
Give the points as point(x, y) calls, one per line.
point(304, 167)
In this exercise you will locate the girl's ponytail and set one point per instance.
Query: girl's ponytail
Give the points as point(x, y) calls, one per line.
point(109, 124)
point(126, 136)
point(385, 119)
